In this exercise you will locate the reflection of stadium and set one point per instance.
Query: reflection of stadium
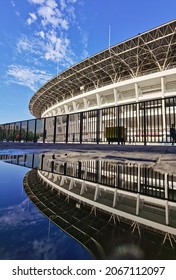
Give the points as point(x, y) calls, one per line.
point(131, 85)
point(93, 196)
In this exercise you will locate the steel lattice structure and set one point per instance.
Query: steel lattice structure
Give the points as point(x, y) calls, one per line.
point(148, 52)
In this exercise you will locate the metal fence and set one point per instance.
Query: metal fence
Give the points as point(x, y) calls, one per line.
point(129, 177)
point(151, 121)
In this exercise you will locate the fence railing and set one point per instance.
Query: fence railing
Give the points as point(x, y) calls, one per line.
point(141, 122)
point(129, 177)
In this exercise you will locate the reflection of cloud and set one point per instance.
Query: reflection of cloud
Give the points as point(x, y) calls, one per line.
point(18, 215)
point(26, 234)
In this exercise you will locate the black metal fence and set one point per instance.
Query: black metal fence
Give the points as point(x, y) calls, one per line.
point(140, 122)
point(129, 177)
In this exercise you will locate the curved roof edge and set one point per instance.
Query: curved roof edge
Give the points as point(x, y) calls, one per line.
point(62, 86)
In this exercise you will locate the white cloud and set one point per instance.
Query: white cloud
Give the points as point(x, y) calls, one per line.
point(57, 48)
point(29, 45)
point(49, 39)
point(42, 34)
point(27, 77)
point(32, 18)
point(72, 1)
point(64, 24)
point(63, 4)
point(51, 3)
point(13, 3)
point(49, 15)
point(37, 1)
point(23, 44)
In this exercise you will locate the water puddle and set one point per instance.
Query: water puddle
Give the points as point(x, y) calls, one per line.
point(115, 209)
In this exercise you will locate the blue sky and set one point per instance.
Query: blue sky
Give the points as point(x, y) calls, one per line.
point(40, 38)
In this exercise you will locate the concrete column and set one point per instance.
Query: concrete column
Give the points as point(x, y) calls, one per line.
point(137, 204)
point(136, 87)
point(70, 185)
point(167, 212)
point(163, 86)
point(82, 188)
point(74, 106)
point(58, 111)
point(55, 177)
point(96, 192)
point(98, 100)
point(66, 109)
point(62, 181)
point(115, 198)
point(116, 96)
point(85, 103)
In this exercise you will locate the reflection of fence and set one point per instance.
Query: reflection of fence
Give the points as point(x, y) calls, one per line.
point(133, 178)
point(129, 191)
point(144, 122)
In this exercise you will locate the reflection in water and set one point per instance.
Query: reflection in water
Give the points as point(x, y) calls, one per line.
point(24, 232)
point(71, 193)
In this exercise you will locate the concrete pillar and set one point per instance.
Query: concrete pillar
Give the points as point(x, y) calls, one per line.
point(116, 96)
point(136, 87)
point(163, 86)
point(167, 212)
point(98, 100)
point(115, 198)
point(85, 103)
point(96, 192)
point(74, 106)
point(70, 185)
point(137, 204)
point(66, 109)
point(82, 188)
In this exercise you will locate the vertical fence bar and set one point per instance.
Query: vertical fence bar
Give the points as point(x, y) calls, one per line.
point(81, 127)
point(35, 127)
point(145, 142)
point(54, 132)
point(44, 130)
point(98, 127)
point(20, 132)
point(67, 127)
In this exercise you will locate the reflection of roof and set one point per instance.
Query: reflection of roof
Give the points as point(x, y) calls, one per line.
point(147, 52)
point(81, 224)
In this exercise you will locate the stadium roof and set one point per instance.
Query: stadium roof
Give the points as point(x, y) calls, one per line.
point(148, 52)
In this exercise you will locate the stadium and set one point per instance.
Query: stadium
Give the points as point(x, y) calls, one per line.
point(124, 94)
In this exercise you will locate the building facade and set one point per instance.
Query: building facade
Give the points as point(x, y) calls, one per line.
point(126, 93)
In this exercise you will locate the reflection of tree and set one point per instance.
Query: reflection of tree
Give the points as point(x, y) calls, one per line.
point(23, 134)
point(11, 135)
point(30, 136)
